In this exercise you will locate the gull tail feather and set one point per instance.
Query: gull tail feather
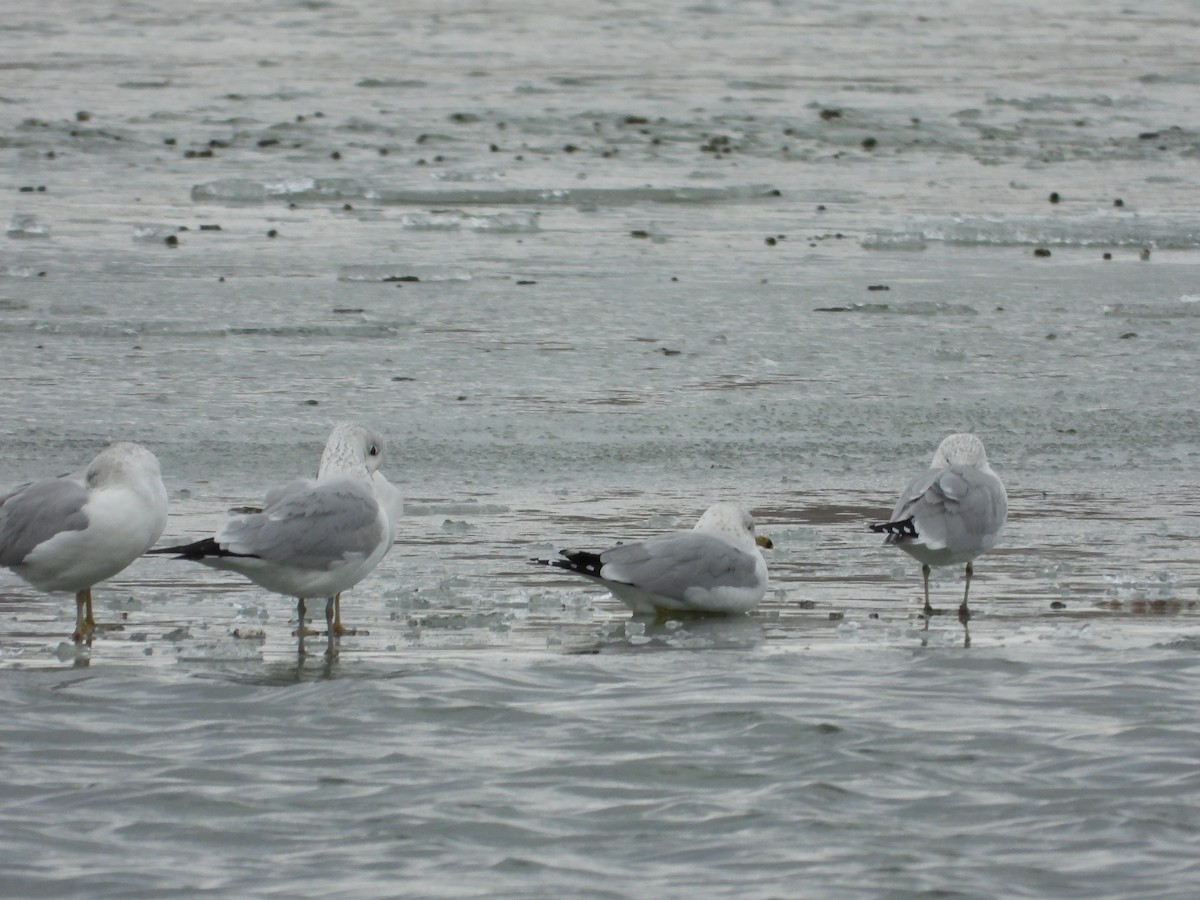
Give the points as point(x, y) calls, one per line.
point(582, 561)
point(202, 549)
point(900, 529)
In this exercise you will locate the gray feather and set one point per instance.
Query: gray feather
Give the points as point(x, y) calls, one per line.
point(309, 526)
point(33, 514)
point(669, 564)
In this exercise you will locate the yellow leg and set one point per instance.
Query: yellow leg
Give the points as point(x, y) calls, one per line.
point(331, 627)
point(338, 627)
point(963, 612)
point(85, 624)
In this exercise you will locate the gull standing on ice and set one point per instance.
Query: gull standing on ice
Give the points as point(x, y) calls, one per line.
point(714, 568)
point(951, 514)
point(314, 537)
point(70, 532)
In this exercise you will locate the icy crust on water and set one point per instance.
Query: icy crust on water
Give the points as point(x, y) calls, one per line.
point(25, 226)
point(246, 190)
point(456, 220)
point(1115, 229)
point(242, 190)
point(1185, 309)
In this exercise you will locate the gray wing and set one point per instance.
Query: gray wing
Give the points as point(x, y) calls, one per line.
point(36, 512)
point(956, 507)
point(669, 564)
point(309, 526)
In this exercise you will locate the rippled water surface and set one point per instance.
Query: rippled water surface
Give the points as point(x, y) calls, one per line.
point(590, 267)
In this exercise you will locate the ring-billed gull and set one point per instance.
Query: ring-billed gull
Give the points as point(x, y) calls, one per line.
point(70, 532)
point(950, 514)
point(714, 568)
point(314, 537)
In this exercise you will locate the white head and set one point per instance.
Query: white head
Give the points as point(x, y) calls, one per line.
point(122, 462)
point(733, 522)
point(960, 450)
point(353, 449)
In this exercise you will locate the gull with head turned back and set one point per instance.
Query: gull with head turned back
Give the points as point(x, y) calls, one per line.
point(716, 568)
point(950, 514)
point(313, 537)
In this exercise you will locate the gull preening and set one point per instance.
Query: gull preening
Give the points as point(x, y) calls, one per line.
point(714, 568)
point(950, 514)
point(70, 532)
point(314, 537)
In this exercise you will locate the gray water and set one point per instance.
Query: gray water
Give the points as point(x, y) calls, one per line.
point(590, 267)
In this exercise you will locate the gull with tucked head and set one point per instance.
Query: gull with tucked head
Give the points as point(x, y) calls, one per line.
point(950, 514)
point(69, 532)
point(716, 568)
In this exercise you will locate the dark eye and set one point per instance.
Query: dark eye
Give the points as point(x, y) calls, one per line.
point(373, 450)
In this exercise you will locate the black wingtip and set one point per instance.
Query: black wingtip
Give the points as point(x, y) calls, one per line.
point(198, 550)
point(903, 528)
point(582, 561)
point(553, 563)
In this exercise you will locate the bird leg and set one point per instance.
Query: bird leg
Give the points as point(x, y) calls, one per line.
point(85, 624)
point(337, 618)
point(300, 610)
point(331, 627)
point(963, 613)
point(925, 577)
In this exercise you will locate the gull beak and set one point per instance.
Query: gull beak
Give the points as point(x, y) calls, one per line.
point(763, 541)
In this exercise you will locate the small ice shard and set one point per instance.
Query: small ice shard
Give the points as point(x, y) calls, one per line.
point(25, 226)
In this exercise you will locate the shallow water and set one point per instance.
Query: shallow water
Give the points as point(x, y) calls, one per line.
point(589, 268)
